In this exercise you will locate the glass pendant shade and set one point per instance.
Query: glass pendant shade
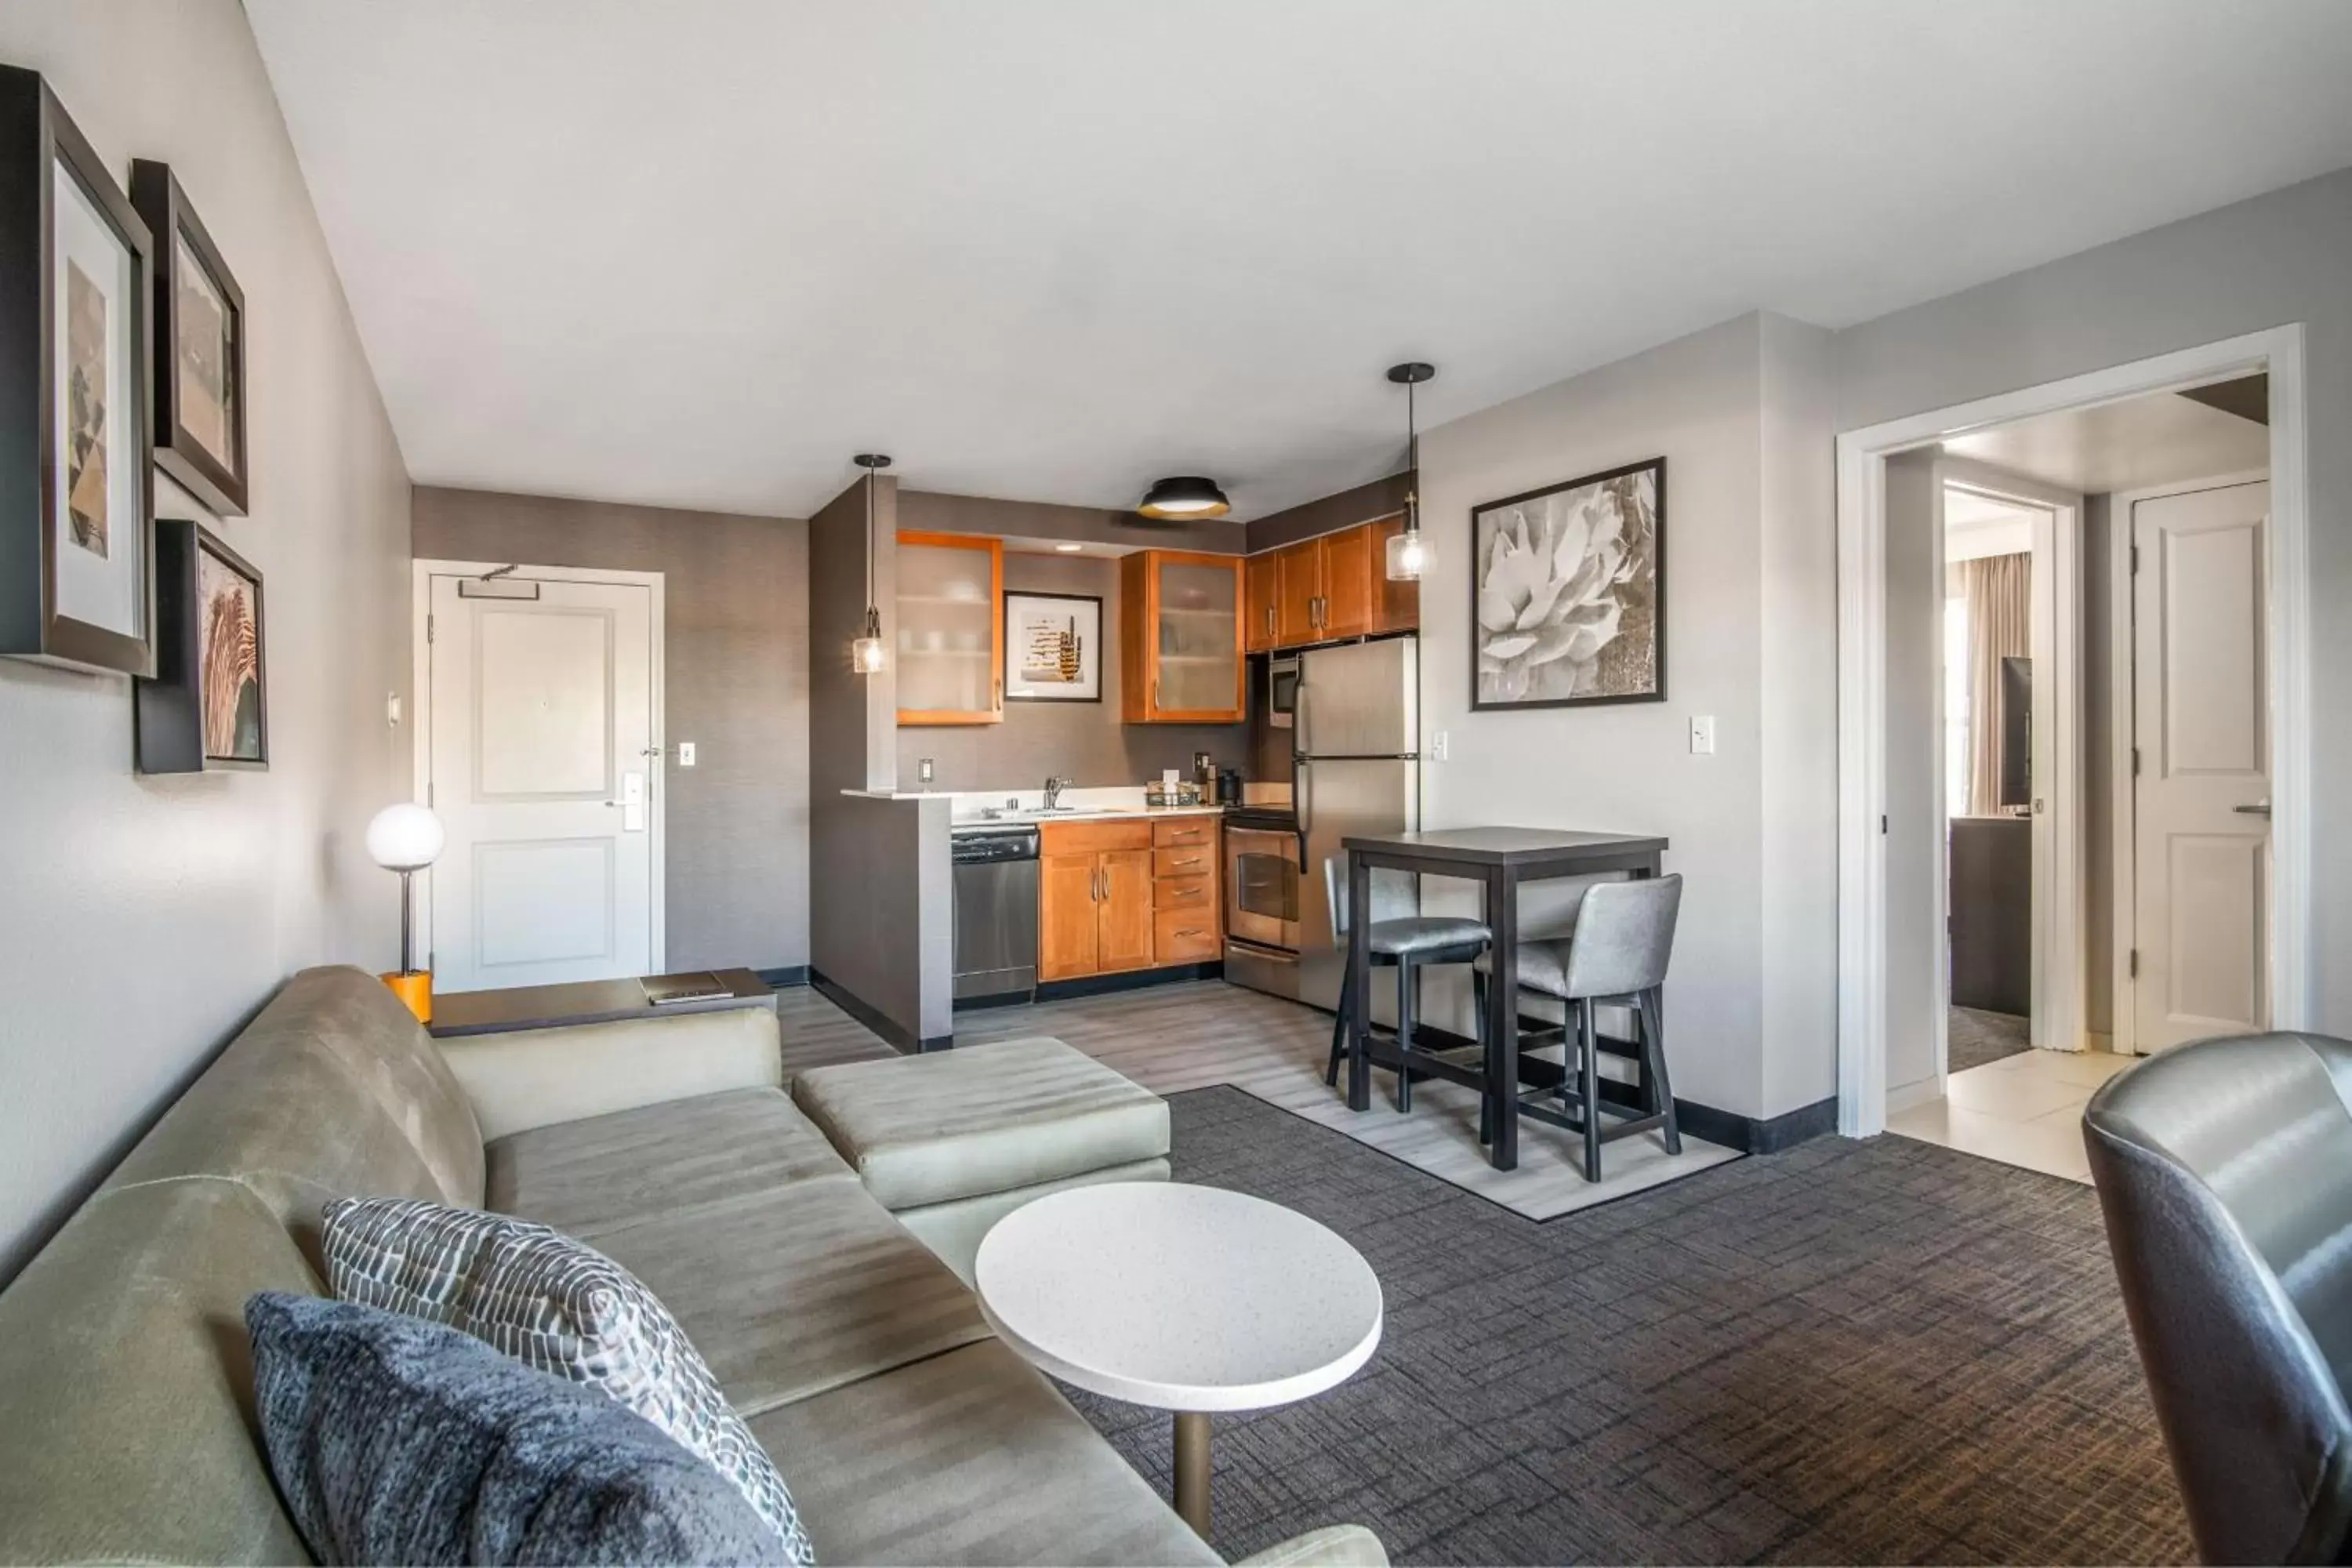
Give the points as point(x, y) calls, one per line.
point(1407, 554)
point(869, 655)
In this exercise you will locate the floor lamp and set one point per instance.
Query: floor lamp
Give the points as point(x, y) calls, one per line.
point(405, 838)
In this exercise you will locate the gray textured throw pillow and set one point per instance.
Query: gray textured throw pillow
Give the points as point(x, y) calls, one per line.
point(558, 1305)
point(396, 1440)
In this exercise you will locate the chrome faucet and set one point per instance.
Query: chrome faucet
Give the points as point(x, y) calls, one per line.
point(1053, 788)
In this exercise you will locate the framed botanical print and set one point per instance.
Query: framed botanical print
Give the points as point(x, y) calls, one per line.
point(77, 568)
point(1567, 593)
point(1053, 647)
point(199, 369)
point(207, 706)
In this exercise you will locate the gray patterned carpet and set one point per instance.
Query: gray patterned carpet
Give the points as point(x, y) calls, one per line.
point(1975, 1037)
point(1848, 1352)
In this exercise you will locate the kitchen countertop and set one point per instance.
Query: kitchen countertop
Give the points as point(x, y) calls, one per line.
point(1033, 818)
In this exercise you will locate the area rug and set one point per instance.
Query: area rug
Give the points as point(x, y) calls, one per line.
point(1876, 1351)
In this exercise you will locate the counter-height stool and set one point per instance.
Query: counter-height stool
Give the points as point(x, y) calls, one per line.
point(1407, 944)
point(1624, 934)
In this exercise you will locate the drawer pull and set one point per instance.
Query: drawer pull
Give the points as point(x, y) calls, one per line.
point(1191, 933)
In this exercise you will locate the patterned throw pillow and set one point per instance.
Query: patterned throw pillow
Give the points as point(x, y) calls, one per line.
point(558, 1305)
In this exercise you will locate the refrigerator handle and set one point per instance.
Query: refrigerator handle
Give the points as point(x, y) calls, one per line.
point(1298, 742)
point(1303, 804)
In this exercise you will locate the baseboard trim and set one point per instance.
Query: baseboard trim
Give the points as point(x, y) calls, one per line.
point(786, 978)
point(1748, 1135)
point(1129, 980)
point(895, 1034)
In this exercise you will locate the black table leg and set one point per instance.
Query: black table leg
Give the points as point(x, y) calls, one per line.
point(1503, 1015)
point(1358, 982)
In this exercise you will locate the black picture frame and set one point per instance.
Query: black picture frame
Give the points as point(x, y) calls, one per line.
point(1009, 653)
point(1480, 701)
point(168, 728)
point(37, 139)
point(181, 452)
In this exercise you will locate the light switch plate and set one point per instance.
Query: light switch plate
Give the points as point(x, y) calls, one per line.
point(1703, 736)
point(923, 769)
point(1437, 747)
point(686, 754)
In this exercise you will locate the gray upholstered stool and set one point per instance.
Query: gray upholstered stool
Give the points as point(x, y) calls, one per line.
point(1625, 933)
point(1405, 944)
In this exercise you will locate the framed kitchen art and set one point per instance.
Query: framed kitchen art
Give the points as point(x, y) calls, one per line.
point(1567, 593)
point(1053, 647)
point(207, 708)
point(77, 566)
point(199, 363)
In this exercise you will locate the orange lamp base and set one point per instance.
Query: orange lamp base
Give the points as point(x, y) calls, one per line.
point(416, 988)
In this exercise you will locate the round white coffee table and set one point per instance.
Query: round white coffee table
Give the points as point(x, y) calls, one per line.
point(1191, 1300)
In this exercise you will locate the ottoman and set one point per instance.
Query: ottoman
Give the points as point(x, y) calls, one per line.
point(952, 1142)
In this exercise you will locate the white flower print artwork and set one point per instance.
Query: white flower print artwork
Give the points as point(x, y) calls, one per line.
point(1570, 595)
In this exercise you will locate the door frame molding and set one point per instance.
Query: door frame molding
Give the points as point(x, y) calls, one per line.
point(2122, 673)
point(1864, 811)
point(2059, 915)
point(421, 576)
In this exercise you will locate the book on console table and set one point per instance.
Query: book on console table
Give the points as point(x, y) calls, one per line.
point(662, 990)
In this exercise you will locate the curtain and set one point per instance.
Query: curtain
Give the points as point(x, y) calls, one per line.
point(2000, 592)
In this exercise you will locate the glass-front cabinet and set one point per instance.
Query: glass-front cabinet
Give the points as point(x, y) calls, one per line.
point(1181, 638)
point(950, 629)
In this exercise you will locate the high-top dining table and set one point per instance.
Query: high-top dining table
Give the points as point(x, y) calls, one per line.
point(1498, 859)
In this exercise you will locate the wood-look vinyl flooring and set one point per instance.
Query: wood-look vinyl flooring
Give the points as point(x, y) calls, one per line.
point(1172, 1038)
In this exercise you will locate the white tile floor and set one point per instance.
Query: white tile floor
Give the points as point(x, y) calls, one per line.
point(2025, 1109)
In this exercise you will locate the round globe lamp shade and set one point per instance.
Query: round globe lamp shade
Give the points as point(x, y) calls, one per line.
point(404, 837)
point(1184, 496)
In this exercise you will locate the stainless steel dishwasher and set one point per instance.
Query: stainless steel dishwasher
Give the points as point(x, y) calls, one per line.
point(995, 914)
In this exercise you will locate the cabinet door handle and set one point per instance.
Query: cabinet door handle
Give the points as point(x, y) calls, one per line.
point(996, 700)
point(1194, 932)
point(1188, 860)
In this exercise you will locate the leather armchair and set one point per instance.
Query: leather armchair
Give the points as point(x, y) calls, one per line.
point(2224, 1169)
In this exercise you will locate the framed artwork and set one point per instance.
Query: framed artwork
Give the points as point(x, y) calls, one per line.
point(1053, 647)
point(77, 570)
point(1569, 592)
point(199, 369)
point(208, 707)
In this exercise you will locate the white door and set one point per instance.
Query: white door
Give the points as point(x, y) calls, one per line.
point(543, 766)
point(2200, 725)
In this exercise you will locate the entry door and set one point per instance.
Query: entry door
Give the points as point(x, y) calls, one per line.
point(2202, 863)
point(544, 767)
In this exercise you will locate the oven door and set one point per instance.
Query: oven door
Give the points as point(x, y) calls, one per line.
point(1262, 888)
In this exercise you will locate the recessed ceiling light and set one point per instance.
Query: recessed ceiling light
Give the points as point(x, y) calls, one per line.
point(1069, 549)
point(1184, 496)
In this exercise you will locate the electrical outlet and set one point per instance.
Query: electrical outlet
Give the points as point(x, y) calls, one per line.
point(391, 709)
point(686, 754)
point(923, 769)
point(1703, 736)
point(1437, 747)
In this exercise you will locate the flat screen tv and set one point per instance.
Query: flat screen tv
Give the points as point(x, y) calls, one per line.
point(2016, 732)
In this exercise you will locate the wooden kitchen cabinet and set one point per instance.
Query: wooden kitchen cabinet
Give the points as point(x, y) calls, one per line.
point(1094, 898)
point(951, 652)
point(1348, 582)
point(1180, 639)
point(1128, 894)
point(1332, 586)
point(1261, 594)
point(1298, 594)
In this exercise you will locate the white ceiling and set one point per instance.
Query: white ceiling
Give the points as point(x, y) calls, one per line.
point(2153, 440)
point(698, 252)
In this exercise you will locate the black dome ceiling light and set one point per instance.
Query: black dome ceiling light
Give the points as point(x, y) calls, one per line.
point(1183, 497)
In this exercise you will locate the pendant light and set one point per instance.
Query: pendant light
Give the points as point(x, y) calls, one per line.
point(1184, 496)
point(1407, 554)
point(869, 655)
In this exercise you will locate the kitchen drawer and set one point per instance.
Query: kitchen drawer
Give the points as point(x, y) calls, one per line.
point(1199, 860)
point(1184, 892)
point(1184, 832)
point(1091, 838)
point(1180, 936)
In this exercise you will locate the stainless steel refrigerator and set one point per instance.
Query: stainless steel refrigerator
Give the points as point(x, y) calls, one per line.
point(1356, 769)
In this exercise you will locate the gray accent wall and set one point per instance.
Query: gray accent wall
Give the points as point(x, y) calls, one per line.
point(735, 605)
point(2275, 259)
point(1083, 741)
point(145, 918)
point(929, 511)
point(1382, 497)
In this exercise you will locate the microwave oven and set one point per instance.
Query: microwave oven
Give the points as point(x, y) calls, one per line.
point(1281, 690)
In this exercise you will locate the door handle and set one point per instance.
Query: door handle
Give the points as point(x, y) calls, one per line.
point(2260, 808)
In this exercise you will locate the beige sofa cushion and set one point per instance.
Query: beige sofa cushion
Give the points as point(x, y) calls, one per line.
point(954, 1229)
point(355, 1015)
point(981, 1118)
point(968, 1457)
point(127, 1381)
point(793, 1291)
point(530, 1078)
point(608, 1170)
